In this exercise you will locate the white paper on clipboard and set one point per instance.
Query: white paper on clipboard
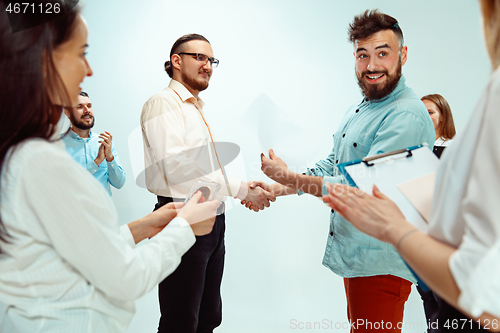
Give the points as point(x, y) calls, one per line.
point(389, 172)
point(419, 193)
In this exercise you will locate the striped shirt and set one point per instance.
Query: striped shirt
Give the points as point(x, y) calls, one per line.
point(67, 268)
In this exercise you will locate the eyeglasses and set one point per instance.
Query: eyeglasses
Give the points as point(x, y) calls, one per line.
point(203, 58)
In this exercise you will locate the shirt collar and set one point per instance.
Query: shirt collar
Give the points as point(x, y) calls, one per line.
point(184, 93)
point(76, 136)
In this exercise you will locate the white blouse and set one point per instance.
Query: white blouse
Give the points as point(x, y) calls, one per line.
point(442, 142)
point(67, 268)
point(466, 208)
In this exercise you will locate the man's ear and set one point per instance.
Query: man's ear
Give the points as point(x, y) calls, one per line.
point(176, 61)
point(66, 112)
point(404, 55)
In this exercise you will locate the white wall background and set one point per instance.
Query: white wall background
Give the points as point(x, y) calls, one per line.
point(296, 53)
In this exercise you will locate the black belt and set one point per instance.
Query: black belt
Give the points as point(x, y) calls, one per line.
point(165, 200)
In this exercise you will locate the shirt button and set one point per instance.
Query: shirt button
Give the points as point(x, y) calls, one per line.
point(331, 233)
point(343, 135)
point(337, 161)
point(355, 144)
point(357, 110)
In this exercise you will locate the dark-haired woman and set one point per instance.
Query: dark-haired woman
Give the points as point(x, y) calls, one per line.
point(65, 265)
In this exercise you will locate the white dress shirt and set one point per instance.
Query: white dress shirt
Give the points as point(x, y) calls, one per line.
point(466, 208)
point(67, 268)
point(178, 145)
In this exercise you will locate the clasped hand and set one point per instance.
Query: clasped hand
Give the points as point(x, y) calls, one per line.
point(276, 169)
point(258, 197)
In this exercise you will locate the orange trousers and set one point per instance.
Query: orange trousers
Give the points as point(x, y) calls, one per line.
point(376, 303)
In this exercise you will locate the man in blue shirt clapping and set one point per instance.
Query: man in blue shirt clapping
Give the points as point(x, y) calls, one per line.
point(94, 152)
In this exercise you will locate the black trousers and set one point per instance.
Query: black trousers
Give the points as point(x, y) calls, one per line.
point(442, 317)
point(190, 300)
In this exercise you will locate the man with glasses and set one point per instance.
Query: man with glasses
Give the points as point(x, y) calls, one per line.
point(179, 148)
point(389, 117)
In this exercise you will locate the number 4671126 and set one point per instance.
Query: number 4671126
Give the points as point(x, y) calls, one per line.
point(27, 7)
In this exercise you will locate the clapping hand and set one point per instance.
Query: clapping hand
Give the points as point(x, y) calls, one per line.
point(100, 155)
point(376, 215)
point(106, 142)
point(200, 214)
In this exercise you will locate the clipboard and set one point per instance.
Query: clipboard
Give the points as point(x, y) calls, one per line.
point(387, 171)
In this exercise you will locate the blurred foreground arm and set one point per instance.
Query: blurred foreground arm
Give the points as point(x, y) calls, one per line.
point(199, 216)
point(379, 217)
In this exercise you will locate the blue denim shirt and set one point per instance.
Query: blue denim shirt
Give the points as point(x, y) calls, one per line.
point(85, 151)
point(397, 121)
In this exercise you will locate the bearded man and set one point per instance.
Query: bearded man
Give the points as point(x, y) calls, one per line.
point(390, 116)
point(94, 152)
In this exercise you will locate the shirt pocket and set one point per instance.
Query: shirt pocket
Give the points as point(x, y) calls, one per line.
point(359, 146)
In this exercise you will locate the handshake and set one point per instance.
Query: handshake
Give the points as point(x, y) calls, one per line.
point(260, 194)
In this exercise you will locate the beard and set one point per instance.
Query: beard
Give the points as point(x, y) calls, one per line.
point(193, 84)
point(375, 91)
point(78, 123)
